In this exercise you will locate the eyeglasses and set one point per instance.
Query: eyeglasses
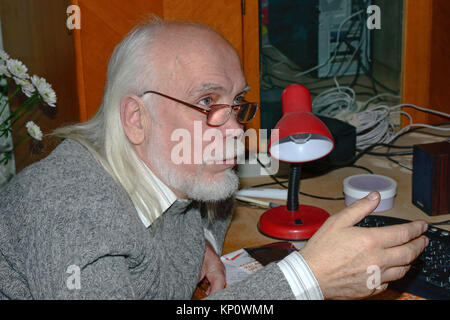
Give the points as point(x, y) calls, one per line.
point(219, 114)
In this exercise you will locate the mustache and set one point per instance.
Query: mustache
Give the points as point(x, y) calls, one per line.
point(232, 148)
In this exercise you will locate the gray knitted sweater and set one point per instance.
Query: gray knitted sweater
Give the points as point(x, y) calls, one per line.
point(69, 231)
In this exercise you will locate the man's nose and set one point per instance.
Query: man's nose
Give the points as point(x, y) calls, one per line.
point(233, 123)
point(233, 131)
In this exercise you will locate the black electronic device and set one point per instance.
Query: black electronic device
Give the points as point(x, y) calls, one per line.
point(431, 177)
point(344, 150)
point(429, 276)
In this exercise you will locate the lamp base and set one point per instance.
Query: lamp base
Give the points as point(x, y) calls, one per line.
point(297, 225)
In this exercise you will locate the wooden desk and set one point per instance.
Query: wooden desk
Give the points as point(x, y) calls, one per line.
point(243, 230)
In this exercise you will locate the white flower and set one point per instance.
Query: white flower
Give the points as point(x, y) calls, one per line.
point(34, 130)
point(3, 55)
point(26, 86)
point(17, 68)
point(3, 100)
point(4, 70)
point(45, 90)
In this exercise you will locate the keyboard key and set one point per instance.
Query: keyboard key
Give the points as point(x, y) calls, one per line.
point(429, 276)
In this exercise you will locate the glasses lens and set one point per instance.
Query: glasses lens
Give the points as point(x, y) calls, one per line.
point(218, 115)
point(247, 112)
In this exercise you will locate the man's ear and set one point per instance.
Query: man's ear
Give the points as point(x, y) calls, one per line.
point(133, 115)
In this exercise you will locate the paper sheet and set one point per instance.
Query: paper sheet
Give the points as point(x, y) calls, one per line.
point(239, 264)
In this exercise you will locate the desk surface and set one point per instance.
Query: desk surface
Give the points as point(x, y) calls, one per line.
point(243, 230)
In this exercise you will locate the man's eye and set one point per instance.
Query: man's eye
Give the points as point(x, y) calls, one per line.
point(205, 101)
point(239, 100)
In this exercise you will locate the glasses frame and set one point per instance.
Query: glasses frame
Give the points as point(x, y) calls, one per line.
point(234, 107)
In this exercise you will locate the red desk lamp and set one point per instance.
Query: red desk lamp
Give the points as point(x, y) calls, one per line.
point(302, 137)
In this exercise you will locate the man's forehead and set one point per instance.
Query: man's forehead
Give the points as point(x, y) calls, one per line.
point(210, 86)
point(199, 60)
point(180, 39)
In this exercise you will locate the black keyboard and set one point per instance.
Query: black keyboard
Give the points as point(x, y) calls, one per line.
point(429, 276)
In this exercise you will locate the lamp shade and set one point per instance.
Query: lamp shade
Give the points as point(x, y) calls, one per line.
point(299, 136)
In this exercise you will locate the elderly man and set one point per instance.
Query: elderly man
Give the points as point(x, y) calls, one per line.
point(110, 214)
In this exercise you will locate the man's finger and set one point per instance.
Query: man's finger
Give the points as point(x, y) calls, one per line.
point(405, 254)
point(396, 235)
point(380, 289)
point(394, 273)
point(217, 282)
point(358, 210)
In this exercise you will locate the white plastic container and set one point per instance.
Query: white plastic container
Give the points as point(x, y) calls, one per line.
point(358, 186)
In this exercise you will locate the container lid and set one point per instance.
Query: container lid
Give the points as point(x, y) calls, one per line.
point(359, 186)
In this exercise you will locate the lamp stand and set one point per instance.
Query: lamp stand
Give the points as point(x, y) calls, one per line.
point(292, 221)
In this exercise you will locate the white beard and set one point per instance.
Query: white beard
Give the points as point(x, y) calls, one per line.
point(215, 190)
point(221, 187)
point(193, 186)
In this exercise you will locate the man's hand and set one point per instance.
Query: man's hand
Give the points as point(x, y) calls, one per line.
point(339, 254)
point(213, 270)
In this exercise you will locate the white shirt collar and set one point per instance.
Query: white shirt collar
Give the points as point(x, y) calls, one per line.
point(166, 197)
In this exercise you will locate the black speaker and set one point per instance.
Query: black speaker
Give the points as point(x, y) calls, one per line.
point(344, 150)
point(431, 178)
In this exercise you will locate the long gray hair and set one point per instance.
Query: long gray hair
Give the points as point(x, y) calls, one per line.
point(129, 70)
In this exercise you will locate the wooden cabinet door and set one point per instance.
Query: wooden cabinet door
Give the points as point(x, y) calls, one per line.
point(426, 59)
point(105, 22)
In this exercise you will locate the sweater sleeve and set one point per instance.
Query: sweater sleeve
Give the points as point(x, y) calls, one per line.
point(268, 283)
point(60, 274)
point(295, 281)
point(79, 261)
point(83, 248)
point(106, 278)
